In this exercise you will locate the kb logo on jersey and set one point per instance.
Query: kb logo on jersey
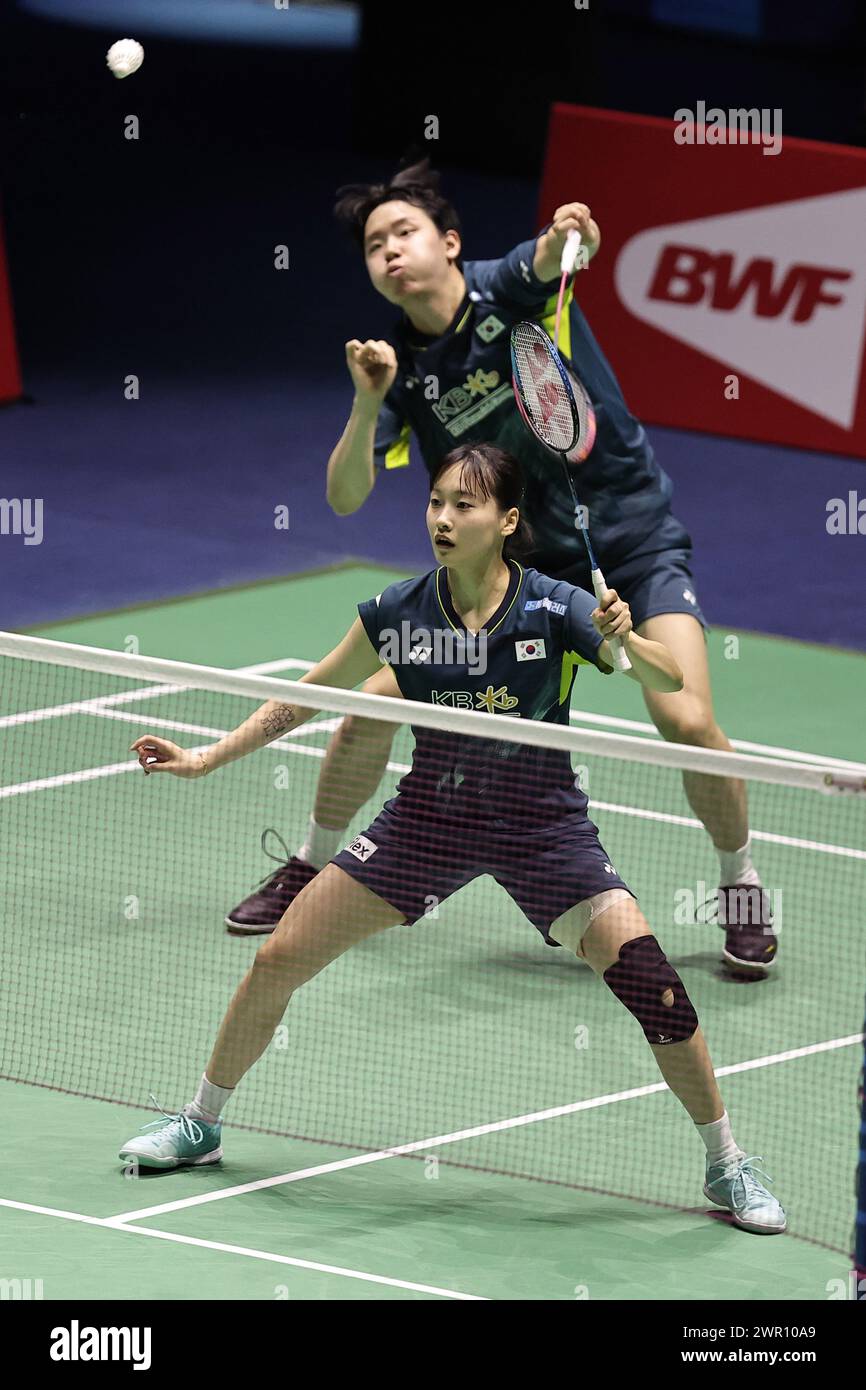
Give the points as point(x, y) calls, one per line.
point(490, 700)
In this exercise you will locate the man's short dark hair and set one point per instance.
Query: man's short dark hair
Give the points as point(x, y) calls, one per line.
point(418, 185)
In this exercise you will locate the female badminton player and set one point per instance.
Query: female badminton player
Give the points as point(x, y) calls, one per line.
point(468, 807)
point(445, 380)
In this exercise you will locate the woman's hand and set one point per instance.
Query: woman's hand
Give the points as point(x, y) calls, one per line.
point(160, 755)
point(612, 618)
point(571, 217)
point(373, 367)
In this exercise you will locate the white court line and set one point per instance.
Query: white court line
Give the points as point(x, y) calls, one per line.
point(224, 1248)
point(494, 1127)
point(101, 706)
point(88, 774)
point(326, 726)
point(96, 704)
point(669, 818)
point(743, 745)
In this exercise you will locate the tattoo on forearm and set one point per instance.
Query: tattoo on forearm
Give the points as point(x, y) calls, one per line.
point(279, 720)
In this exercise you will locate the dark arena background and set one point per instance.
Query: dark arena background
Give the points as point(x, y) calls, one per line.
point(455, 1110)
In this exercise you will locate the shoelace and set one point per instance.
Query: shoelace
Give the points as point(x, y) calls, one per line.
point(286, 856)
point(746, 1177)
point(189, 1128)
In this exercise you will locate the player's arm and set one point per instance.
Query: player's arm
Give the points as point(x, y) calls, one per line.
point(351, 468)
point(548, 248)
point(652, 665)
point(353, 660)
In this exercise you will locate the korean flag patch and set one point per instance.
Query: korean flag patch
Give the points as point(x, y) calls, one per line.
point(490, 328)
point(532, 650)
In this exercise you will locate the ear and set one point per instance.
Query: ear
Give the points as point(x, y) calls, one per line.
point(453, 245)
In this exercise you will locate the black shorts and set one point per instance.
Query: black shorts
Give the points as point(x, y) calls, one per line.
point(655, 578)
point(416, 861)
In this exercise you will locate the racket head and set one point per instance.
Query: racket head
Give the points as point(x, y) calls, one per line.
point(553, 404)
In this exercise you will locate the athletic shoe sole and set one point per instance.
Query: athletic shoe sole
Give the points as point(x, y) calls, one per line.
point(752, 967)
point(744, 1224)
point(248, 928)
point(213, 1157)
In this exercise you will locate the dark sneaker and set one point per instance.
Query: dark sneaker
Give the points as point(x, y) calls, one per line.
point(744, 911)
point(259, 914)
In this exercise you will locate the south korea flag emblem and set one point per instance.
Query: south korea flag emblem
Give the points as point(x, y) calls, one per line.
point(490, 328)
point(532, 650)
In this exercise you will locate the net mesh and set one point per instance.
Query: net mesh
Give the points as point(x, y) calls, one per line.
point(464, 1035)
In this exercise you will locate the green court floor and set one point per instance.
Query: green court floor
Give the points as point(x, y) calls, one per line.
point(120, 971)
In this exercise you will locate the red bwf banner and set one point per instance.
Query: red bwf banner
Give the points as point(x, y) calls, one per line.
point(730, 288)
point(10, 372)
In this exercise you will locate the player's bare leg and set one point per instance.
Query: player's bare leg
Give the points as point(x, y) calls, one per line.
point(355, 761)
point(720, 803)
point(331, 914)
point(685, 1066)
point(599, 930)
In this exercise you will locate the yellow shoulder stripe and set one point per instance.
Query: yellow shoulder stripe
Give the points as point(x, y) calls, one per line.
point(570, 662)
point(397, 456)
point(547, 319)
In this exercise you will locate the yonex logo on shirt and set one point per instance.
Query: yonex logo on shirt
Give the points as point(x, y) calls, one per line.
point(408, 645)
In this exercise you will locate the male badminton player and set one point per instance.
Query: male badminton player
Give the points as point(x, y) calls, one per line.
point(469, 807)
point(446, 380)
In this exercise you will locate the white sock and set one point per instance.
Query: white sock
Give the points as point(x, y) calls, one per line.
point(736, 866)
point(321, 844)
point(209, 1101)
point(719, 1140)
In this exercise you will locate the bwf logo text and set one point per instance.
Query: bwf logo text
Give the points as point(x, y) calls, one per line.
point(22, 516)
point(76, 1343)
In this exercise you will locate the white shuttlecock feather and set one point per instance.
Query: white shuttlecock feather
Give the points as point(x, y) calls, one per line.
point(125, 56)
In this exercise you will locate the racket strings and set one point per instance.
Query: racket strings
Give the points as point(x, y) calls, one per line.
point(545, 395)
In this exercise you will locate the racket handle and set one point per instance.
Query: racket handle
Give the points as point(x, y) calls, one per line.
point(617, 650)
point(569, 252)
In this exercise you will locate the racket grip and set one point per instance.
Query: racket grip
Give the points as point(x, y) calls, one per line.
point(617, 650)
point(569, 252)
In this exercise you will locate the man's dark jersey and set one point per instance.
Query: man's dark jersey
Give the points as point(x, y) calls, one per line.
point(523, 664)
point(456, 388)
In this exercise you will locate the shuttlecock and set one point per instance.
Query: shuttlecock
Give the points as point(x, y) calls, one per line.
point(125, 56)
